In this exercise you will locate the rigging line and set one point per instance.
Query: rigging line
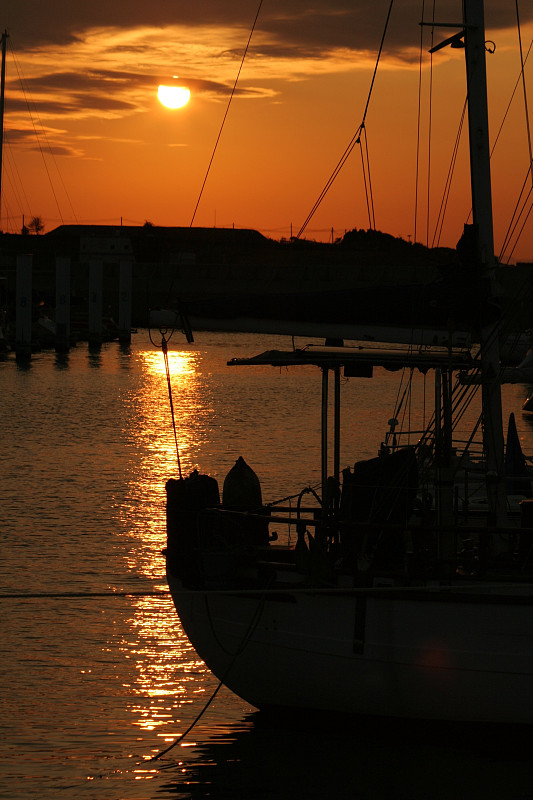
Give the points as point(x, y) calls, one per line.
point(448, 184)
point(355, 137)
point(462, 396)
point(367, 198)
point(430, 121)
point(391, 433)
point(467, 394)
point(406, 410)
point(371, 195)
point(164, 347)
point(8, 214)
point(418, 122)
point(521, 229)
point(512, 223)
point(513, 233)
point(377, 62)
point(289, 497)
point(36, 133)
point(365, 186)
point(524, 86)
point(15, 181)
point(517, 213)
point(500, 129)
point(424, 398)
point(226, 113)
point(354, 140)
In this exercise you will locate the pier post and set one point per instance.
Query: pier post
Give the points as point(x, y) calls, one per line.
point(23, 322)
point(124, 302)
point(62, 304)
point(95, 303)
point(324, 447)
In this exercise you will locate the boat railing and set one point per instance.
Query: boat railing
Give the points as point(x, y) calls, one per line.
point(423, 545)
point(286, 516)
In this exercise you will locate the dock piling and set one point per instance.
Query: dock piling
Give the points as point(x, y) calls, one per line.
point(62, 304)
point(95, 303)
point(124, 302)
point(23, 321)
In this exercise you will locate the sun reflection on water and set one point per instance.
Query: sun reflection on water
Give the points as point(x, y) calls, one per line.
point(166, 675)
point(181, 362)
point(192, 405)
point(149, 430)
point(169, 675)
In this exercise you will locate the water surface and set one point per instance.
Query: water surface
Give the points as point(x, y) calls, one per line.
point(92, 685)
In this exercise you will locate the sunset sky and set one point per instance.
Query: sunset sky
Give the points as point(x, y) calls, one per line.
point(87, 141)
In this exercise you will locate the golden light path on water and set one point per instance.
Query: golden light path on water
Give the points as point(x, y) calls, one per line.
point(169, 676)
point(154, 401)
point(151, 433)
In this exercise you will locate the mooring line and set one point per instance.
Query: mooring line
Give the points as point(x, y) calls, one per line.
point(45, 595)
point(254, 622)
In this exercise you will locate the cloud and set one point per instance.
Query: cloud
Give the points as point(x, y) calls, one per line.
point(39, 139)
point(308, 25)
point(103, 92)
point(117, 53)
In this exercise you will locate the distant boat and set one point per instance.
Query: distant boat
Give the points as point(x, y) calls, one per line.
point(409, 591)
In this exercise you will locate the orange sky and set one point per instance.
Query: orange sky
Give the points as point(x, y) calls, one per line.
point(98, 146)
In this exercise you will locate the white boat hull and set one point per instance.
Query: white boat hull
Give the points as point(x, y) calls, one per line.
point(439, 654)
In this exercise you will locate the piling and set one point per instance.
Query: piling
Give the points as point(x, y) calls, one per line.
point(124, 302)
point(95, 303)
point(23, 322)
point(62, 305)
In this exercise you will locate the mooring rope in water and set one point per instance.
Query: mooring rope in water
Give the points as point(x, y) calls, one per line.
point(446, 589)
point(254, 622)
point(80, 595)
point(182, 736)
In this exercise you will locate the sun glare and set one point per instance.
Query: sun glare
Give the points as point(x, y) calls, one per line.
point(173, 96)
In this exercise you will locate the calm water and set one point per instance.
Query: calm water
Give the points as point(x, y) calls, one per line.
point(91, 686)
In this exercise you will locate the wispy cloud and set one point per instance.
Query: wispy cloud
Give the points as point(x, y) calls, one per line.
point(75, 62)
point(125, 75)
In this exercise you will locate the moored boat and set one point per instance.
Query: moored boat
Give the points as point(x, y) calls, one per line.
point(409, 590)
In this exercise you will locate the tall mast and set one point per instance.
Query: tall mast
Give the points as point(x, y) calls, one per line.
point(2, 94)
point(483, 246)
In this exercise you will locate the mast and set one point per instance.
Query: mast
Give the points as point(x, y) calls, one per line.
point(483, 251)
point(2, 94)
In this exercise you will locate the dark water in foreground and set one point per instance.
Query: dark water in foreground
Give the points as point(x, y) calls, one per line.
point(92, 685)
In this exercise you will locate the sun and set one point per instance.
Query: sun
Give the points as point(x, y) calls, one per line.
point(173, 96)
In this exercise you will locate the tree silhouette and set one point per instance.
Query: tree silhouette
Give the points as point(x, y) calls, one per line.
point(36, 225)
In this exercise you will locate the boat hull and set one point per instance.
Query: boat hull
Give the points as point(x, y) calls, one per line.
point(431, 654)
